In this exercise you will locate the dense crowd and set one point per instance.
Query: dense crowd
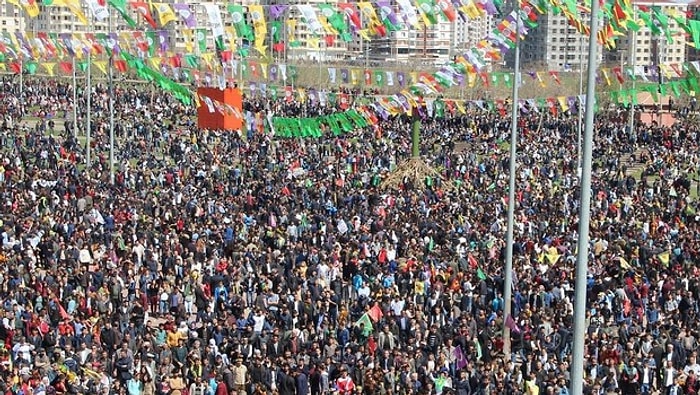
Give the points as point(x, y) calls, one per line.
point(238, 263)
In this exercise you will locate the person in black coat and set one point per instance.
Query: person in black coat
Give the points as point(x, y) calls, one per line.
point(287, 384)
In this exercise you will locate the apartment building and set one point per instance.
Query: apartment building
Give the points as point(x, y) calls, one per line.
point(643, 48)
point(555, 45)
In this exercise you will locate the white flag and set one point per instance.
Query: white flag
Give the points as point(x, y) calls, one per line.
point(331, 74)
point(217, 25)
point(308, 12)
point(390, 78)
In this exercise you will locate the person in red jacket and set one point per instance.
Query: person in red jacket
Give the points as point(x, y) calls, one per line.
point(344, 382)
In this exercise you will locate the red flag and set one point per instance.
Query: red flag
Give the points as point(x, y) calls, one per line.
point(330, 40)
point(120, 65)
point(352, 14)
point(344, 101)
point(552, 104)
point(501, 106)
point(484, 78)
point(618, 74)
point(61, 310)
point(176, 61)
point(67, 67)
point(288, 94)
point(677, 69)
point(473, 263)
point(555, 75)
point(279, 47)
point(375, 313)
point(145, 11)
point(15, 67)
point(368, 77)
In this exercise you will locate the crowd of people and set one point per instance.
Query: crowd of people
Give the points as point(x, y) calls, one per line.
point(226, 263)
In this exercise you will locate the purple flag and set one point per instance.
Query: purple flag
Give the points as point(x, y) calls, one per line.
point(381, 111)
point(23, 43)
point(489, 7)
point(277, 10)
point(163, 40)
point(273, 72)
point(401, 78)
point(510, 323)
point(313, 96)
point(654, 74)
point(571, 100)
point(387, 12)
point(460, 359)
point(113, 43)
point(68, 43)
point(183, 11)
point(532, 75)
point(344, 76)
point(458, 6)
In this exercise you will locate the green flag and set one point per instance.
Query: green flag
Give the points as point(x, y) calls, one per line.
point(276, 30)
point(31, 67)
point(427, 9)
point(366, 322)
point(694, 27)
point(480, 274)
point(336, 21)
point(120, 6)
point(152, 41)
point(202, 39)
point(239, 23)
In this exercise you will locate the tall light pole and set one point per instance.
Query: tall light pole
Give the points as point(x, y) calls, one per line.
point(508, 278)
point(584, 216)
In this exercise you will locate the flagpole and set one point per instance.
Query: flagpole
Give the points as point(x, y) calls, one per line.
point(633, 61)
point(111, 106)
point(580, 112)
point(577, 365)
point(75, 101)
point(88, 104)
point(508, 280)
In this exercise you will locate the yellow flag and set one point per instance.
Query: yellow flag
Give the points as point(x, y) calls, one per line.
point(125, 40)
point(355, 76)
point(102, 66)
point(471, 79)
point(74, 7)
point(414, 77)
point(49, 68)
point(472, 11)
point(207, 57)
point(365, 34)
point(257, 17)
point(314, 42)
point(263, 70)
point(665, 258)
point(31, 8)
point(197, 102)
point(165, 13)
point(605, 76)
point(155, 62)
point(187, 37)
point(302, 95)
point(563, 104)
point(460, 107)
point(541, 80)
